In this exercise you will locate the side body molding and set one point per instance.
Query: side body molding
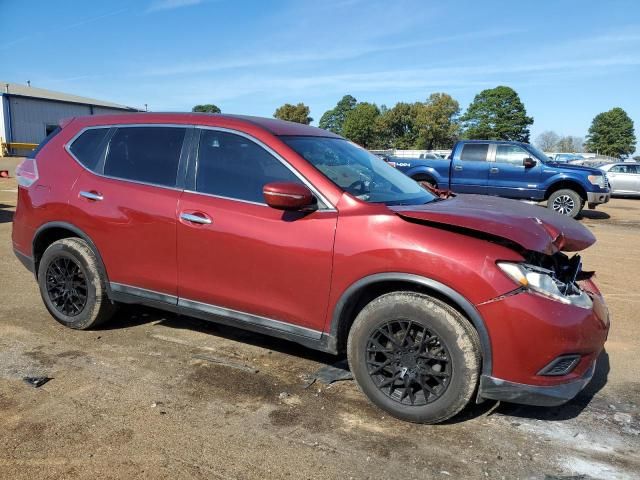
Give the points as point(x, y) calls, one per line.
point(454, 297)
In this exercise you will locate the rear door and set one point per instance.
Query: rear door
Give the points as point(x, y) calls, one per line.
point(470, 168)
point(126, 203)
point(509, 178)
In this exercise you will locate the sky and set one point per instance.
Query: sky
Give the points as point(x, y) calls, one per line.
point(567, 59)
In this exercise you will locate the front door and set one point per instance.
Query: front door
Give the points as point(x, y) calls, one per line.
point(508, 176)
point(239, 258)
point(624, 178)
point(470, 168)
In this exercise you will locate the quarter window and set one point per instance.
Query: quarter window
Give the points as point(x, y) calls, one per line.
point(145, 154)
point(87, 148)
point(233, 166)
point(510, 154)
point(474, 152)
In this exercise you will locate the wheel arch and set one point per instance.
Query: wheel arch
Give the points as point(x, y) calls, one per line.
point(568, 184)
point(366, 289)
point(51, 232)
point(424, 171)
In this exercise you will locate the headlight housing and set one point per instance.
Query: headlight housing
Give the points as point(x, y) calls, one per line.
point(597, 180)
point(544, 282)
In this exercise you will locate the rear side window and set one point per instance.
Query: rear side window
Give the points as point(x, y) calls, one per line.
point(88, 147)
point(474, 152)
point(145, 154)
point(233, 166)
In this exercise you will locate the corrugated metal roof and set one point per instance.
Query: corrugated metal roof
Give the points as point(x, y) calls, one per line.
point(34, 92)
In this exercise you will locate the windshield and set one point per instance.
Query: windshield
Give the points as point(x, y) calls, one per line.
point(359, 172)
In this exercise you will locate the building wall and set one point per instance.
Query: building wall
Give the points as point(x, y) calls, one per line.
point(31, 116)
point(3, 126)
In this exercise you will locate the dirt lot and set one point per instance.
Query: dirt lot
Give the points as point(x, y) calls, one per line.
point(147, 397)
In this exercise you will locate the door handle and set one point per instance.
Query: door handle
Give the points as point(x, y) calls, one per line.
point(457, 167)
point(494, 169)
point(95, 196)
point(193, 218)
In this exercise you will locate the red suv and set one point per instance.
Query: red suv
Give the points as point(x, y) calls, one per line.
point(292, 231)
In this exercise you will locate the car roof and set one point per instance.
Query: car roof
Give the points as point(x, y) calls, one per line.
point(609, 165)
point(510, 142)
point(271, 125)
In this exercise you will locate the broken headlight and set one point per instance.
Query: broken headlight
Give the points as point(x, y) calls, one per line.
point(544, 282)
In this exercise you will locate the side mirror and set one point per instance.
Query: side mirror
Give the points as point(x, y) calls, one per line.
point(289, 196)
point(529, 162)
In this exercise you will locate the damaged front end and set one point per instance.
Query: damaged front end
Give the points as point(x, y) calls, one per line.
point(555, 276)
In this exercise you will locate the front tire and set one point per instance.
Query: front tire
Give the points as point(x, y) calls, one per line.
point(414, 356)
point(426, 181)
point(72, 286)
point(565, 202)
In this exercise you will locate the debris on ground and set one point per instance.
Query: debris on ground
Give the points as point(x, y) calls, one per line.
point(36, 382)
point(333, 373)
point(226, 363)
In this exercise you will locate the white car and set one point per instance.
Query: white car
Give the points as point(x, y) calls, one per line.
point(624, 178)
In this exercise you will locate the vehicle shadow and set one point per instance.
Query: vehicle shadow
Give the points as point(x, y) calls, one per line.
point(594, 215)
point(6, 215)
point(129, 316)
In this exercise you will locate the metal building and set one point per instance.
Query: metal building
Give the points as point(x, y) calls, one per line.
point(29, 114)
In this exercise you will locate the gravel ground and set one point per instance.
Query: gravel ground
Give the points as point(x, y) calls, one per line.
point(152, 395)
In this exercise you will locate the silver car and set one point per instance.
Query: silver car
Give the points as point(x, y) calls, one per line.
point(624, 178)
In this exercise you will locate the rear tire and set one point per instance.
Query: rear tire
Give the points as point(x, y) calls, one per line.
point(414, 356)
point(72, 285)
point(565, 202)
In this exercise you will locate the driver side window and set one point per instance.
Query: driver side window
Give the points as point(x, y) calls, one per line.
point(511, 154)
point(232, 166)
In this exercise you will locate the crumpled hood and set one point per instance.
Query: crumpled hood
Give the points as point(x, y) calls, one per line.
point(531, 227)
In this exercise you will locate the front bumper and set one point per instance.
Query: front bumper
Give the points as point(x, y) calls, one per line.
point(528, 332)
point(492, 388)
point(596, 198)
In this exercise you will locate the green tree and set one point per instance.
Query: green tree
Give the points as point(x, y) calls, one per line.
point(436, 122)
point(361, 125)
point(547, 141)
point(206, 108)
point(611, 133)
point(294, 113)
point(395, 127)
point(333, 119)
point(497, 114)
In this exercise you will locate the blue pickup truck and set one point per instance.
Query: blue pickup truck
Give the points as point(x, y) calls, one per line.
point(513, 170)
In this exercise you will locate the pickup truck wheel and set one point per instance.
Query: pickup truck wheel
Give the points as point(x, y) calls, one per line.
point(565, 202)
point(414, 357)
point(427, 181)
point(72, 286)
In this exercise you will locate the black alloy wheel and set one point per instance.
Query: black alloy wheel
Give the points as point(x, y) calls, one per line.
point(408, 362)
point(66, 286)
